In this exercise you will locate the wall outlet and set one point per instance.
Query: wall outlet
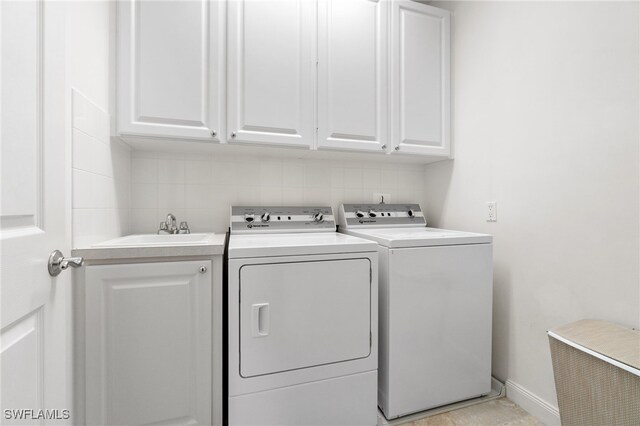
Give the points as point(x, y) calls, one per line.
point(492, 211)
point(378, 197)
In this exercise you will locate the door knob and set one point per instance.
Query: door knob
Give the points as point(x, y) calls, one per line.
point(58, 263)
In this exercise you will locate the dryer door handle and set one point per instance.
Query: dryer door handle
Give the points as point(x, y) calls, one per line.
point(260, 319)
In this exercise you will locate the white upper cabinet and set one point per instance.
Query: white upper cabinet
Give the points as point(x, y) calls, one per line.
point(352, 75)
point(420, 112)
point(271, 72)
point(170, 78)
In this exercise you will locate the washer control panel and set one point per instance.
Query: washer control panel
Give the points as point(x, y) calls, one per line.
point(381, 215)
point(265, 219)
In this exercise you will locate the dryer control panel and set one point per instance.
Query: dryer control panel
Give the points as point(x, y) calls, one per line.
point(359, 216)
point(281, 219)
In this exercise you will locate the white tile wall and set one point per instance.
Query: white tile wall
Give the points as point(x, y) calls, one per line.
point(117, 191)
point(101, 179)
point(200, 189)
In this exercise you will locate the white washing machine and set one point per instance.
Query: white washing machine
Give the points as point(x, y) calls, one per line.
point(302, 320)
point(435, 307)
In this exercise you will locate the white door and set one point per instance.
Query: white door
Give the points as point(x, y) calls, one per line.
point(303, 314)
point(420, 117)
point(171, 79)
point(148, 338)
point(352, 75)
point(271, 72)
point(35, 323)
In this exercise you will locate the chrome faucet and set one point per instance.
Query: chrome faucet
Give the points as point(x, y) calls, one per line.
point(171, 223)
point(170, 226)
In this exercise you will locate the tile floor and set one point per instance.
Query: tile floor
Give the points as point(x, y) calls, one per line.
point(498, 412)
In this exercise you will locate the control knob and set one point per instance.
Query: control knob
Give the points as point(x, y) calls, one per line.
point(410, 213)
point(318, 217)
point(266, 217)
point(360, 214)
point(249, 218)
point(372, 213)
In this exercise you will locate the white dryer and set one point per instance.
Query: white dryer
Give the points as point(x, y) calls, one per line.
point(302, 320)
point(435, 307)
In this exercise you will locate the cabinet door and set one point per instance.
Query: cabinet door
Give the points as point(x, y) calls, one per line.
point(352, 74)
point(271, 72)
point(148, 343)
point(420, 79)
point(171, 68)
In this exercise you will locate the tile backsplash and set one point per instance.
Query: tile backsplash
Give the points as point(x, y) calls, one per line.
point(101, 176)
point(201, 188)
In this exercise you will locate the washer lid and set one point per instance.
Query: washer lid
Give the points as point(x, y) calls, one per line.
point(419, 237)
point(266, 245)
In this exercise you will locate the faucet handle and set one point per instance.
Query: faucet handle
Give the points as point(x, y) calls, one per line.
point(163, 227)
point(184, 227)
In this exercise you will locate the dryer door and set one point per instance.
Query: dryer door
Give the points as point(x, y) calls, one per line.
point(303, 314)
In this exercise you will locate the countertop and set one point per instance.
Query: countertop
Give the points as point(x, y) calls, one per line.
point(212, 246)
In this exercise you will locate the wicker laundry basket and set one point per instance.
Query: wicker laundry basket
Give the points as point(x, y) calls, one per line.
point(596, 365)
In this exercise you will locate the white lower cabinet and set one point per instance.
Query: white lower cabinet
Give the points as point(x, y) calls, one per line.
point(148, 343)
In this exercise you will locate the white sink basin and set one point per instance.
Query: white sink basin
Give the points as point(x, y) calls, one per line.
point(153, 240)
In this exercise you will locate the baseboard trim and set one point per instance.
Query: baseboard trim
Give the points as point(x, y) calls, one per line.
point(545, 412)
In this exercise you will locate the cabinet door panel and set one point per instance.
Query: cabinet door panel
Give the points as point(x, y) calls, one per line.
point(171, 68)
point(271, 72)
point(148, 343)
point(352, 74)
point(420, 79)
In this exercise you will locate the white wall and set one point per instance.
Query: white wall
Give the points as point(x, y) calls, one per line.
point(88, 25)
point(100, 167)
point(545, 122)
point(200, 189)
